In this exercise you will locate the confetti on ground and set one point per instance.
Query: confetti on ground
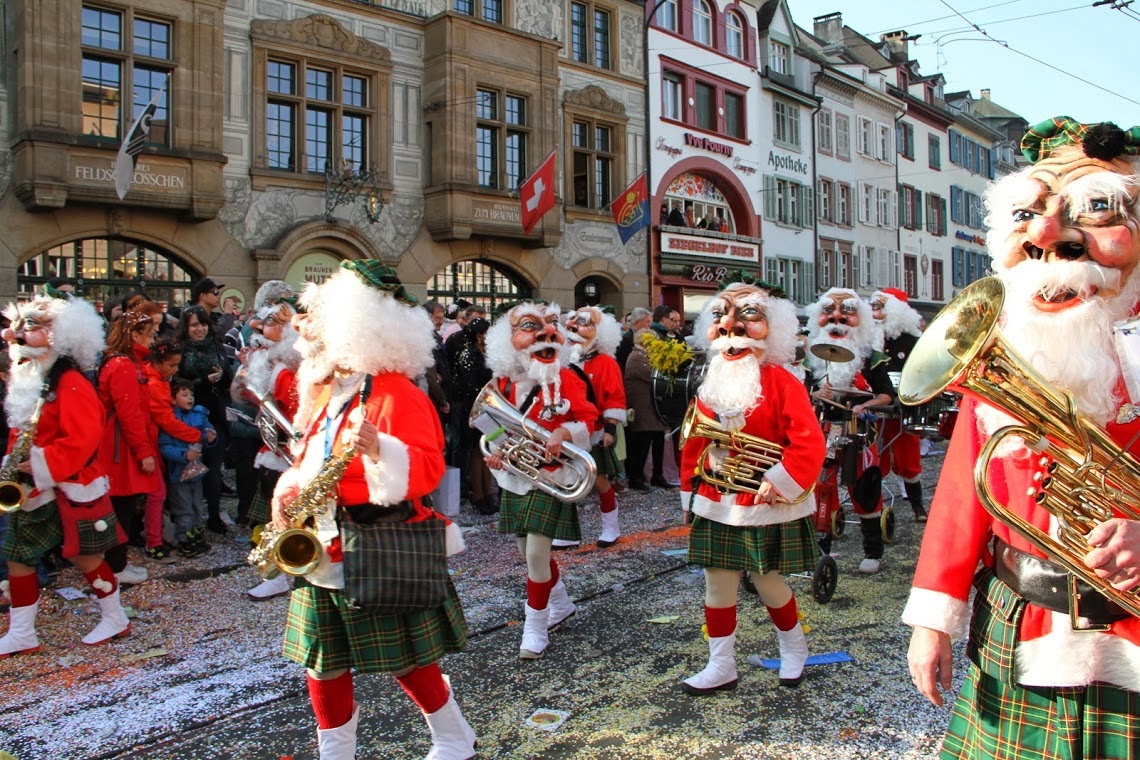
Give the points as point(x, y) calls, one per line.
point(831, 658)
point(663, 619)
point(148, 654)
point(675, 552)
point(70, 593)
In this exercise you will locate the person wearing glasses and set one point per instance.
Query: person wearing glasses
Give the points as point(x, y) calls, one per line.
point(208, 294)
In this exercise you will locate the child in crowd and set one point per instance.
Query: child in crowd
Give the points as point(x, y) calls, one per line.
point(184, 477)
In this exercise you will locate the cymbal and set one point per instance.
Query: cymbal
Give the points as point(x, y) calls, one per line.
point(831, 353)
point(850, 392)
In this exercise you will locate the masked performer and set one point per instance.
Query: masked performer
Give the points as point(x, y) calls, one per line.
point(363, 340)
point(525, 353)
point(270, 374)
point(899, 329)
point(594, 336)
point(51, 342)
point(841, 318)
point(750, 334)
point(1065, 240)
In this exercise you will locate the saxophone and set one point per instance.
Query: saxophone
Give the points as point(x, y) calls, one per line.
point(296, 550)
point(13, 493)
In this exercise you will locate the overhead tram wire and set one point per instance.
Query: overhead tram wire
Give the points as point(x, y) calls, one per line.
point(943, 18)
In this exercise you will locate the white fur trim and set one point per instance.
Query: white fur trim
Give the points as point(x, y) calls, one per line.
point(270, 461)
point(82, 493)
point(579, 434)
point(516, 484)
point(454, 538)
point(615, 415)
point(37, 499)
point(727, 512)
point(41, 474)
point(388, 478)
point(787, 487)
point(1065, 657)
point(938, 611)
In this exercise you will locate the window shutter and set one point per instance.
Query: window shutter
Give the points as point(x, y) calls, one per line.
point(955, 204)
point(807, 206)
point(990, 163)
point(771, 270)
point(769, 197)
point(808, 282)
point(954, 147)
point(859, 255)
point(893, 216)
point(942, 216)
point(862, 201)
point(955, 263)
point(918, 209)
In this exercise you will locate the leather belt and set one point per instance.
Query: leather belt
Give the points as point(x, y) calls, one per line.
point(1047, 584)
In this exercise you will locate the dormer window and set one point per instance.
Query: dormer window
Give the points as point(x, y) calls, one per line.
point(702, 23)
point(779, 58)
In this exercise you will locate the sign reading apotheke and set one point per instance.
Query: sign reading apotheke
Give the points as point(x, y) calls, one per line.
point(787, 163)
point(709, 247)
point(100, 172)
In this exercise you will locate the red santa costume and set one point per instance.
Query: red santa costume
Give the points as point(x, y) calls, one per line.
point(750, 333)
point(594, 336)
point(841, 318)
point(899, 328)
point(525, 351)
point(50, 341)
point(363, 341)
point(1046, 685)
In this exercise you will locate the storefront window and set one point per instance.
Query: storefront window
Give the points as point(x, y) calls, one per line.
point(479, 282)
point(105, 269)
point(698, 194)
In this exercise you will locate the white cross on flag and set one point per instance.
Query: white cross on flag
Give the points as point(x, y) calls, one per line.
point(537, 194)
point(133, 143)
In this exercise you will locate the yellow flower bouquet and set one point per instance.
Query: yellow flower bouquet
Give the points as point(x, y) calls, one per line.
point(668, 357)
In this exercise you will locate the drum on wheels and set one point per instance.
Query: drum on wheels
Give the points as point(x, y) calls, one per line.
point(824, 579)
point(933, 419)
point(671, 395)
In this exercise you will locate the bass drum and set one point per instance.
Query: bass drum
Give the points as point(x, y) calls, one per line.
point(671, 396)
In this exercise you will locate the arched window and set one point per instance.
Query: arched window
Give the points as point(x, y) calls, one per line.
point(734, 35)
point(479, 282)
point(667, 15)
point(702, 23)
point(105, 268)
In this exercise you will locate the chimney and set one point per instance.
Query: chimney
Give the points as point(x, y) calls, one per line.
point(829, 28)
point(898, 42)
point(986, 93)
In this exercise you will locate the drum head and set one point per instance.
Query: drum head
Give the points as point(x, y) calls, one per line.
point(671, 396)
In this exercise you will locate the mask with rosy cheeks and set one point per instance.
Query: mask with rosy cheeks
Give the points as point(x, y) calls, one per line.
point(581, 328)
point(739, 324)
point(839, 316)
point(538, 335)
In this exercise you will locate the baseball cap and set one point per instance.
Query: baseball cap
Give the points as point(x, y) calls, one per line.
point(204, 285)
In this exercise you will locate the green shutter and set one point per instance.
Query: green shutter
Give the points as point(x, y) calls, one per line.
point(769, 197)
point(807, 207)
point(942, 219)
point(918, 209)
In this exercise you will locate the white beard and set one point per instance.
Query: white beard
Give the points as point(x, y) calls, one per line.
point(548, 377)
point(315, 369)
point(732, 388)
point(24, 386)
point(837, 374)
point(271, 355)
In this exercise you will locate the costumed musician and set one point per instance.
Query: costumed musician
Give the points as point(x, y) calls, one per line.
point(750, 332)
point(841, 318)
point(363, 341)
point(1064, 234)
point(56, 422)
point(526, 354)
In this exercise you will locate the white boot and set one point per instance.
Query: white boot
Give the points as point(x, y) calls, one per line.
point(275, 586)
point(560, 606)
point(535, 633)
point(562, 543)
point(339, 743)
point(21, 636)
point(793, 655)
point(451, 735)
point(113, 622)
point(610, 530)
point(720, 673)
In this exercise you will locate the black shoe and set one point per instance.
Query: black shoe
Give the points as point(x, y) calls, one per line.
point(662, 483)
point(638, 485)
point(215, 525)
point(698, 692)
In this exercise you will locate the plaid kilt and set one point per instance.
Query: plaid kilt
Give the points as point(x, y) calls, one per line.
point(787, 548)
point(324, 634)
point(605, 458)
point(33, 534)
point(539, 513)
point(259, 509)
point(1001, 722)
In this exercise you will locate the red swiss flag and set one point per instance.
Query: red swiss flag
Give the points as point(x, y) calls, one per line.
point(536, 194)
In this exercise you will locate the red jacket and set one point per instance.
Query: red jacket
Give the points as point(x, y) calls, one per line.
point(129, 433)
point(162, 408)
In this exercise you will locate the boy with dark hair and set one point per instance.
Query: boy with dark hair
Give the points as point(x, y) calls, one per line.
point(184, 470)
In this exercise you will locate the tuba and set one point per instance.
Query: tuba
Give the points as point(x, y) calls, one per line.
point(1092, 480)
point(13, 493)
point(748, 457)
point(522, 444)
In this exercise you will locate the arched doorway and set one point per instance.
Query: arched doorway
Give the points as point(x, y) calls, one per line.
point(107, 268)
point(595, 290)
point(480, 282)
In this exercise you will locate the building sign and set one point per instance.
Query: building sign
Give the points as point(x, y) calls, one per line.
point(787, 163)
point(312, 267)
point(707, 273)
point(483, 211)
point(704, 143)
point(745, 169)
point(975, 239)
point(98, 172)
point(668, 149)
point(709, 248)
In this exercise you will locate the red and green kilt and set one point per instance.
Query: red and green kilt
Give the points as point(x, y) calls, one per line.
point(539, 513)
point(605, 459)
point(324, 634)
point(787, 548)
point(1002, 722)
point(260, 509)
point(33, 534)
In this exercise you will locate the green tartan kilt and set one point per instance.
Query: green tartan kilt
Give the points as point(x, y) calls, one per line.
point(1001, 722)
point(259, 509)
point(539, 513)
point(605, 458)
point(787, 548)
point(33, 534)
point(324, 634)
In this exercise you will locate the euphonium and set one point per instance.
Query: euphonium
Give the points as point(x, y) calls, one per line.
point(521, 442)
point(13, 493)
point(746, 457)
point(270, 419)
point(1093, 479)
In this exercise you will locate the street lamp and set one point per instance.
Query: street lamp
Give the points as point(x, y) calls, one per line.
point(348, 185)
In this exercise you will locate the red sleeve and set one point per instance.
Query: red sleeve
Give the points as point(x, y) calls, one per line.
point(410, 434)
point(80, 427)
point(611, 394)
point(805, 446)
point(285, 393)
point(121, 388)
point(162, 411)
